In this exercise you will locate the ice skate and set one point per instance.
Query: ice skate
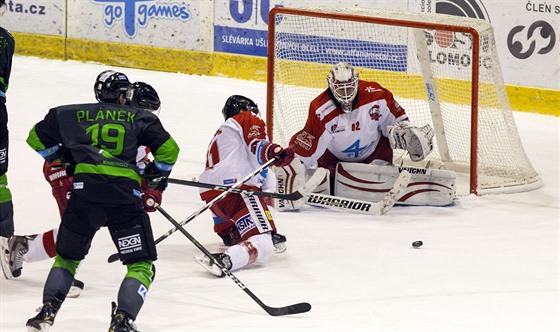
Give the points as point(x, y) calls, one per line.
point(210, 266)
point(121, 321)
point(45, 318)
point(279, 242)
point(13, 250)
point(75, 289)
point(5, 257)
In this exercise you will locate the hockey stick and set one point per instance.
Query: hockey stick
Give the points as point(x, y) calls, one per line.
point(354, 205)
point(115, 257)
point(287, 310)
point(291, 196)
point(311, 184)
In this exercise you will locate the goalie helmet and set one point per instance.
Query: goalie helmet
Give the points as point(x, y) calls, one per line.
point(142, 95)
point(343, 83)
point(236, 103)
point(110, 85)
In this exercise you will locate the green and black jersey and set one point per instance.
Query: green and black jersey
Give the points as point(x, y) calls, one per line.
point(103, 140)
point(7, 46)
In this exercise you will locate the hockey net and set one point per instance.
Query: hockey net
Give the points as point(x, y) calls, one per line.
point(442, 69)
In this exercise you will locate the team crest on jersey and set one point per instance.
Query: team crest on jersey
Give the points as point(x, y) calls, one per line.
point(304, 139)
point(254, 131)
point(375, 113)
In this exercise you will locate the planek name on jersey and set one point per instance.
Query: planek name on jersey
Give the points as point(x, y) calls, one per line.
point(101, 114)
point(336, 202)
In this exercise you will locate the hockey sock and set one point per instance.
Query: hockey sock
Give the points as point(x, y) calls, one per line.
point(42, 246)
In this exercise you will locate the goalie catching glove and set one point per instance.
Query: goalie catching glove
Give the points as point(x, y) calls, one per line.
point(416, 140)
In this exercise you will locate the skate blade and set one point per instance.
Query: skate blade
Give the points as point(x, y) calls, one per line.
point(280, 248)
point(4, 260)
point(42, 327)
point(215, 270)
point(75, 289)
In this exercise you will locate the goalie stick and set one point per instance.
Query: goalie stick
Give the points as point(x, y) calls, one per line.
point(115, 257)
point(354, 205)
point(273, 311)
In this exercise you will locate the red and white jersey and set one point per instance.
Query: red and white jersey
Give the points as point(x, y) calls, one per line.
point(237, 149)
point(351, 136)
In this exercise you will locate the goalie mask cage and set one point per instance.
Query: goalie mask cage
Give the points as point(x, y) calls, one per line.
point(442, 69)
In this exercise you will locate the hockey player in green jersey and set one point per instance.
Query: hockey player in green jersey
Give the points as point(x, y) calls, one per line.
point(7, 45)
point(101, 141)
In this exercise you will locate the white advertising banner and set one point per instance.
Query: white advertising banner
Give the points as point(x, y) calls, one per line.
point(527, 36)
point(527, 32)
point(241, 26)
point(47, 17)
point(163, 23)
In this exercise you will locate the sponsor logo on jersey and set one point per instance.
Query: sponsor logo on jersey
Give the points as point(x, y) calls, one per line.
point(57, 175)
point(371, 89)
point(78, 185)
point(230, 181)
point(143, 291)
point(244, 224)
point(129, 244)
point(257, 212)
point(304, 139)
point(336, 129)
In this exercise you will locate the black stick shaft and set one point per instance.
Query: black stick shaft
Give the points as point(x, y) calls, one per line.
point(292, 196)
point(288, 310)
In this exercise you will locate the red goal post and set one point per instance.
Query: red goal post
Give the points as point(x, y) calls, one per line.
point(444, 70)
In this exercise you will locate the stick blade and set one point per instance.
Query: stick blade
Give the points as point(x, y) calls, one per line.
point(400, 184)
point(293, 309)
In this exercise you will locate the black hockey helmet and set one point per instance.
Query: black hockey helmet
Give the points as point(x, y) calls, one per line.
point(110, 85)
point(236, 103)
point(142, 95)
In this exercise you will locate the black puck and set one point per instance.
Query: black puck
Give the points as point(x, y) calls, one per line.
point(417, 244)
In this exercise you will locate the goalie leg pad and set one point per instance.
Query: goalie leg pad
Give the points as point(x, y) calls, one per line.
point(434, 187)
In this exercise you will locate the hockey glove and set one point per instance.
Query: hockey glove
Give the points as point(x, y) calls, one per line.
point(61, 183)
point(155, 177)
point(149, 198)
point(284, 156)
